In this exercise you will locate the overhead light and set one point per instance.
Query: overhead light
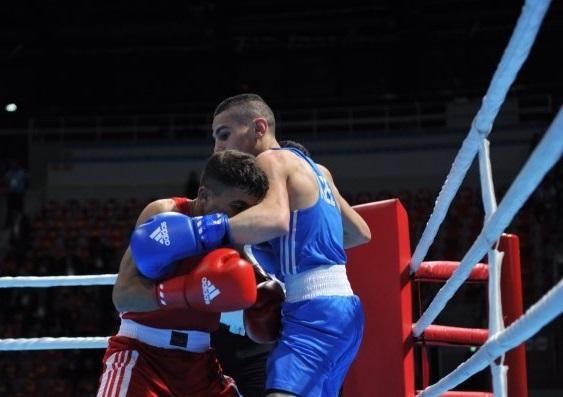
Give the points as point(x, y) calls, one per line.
point(11, 107)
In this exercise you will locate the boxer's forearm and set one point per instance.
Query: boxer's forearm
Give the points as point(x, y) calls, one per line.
point(132, 292)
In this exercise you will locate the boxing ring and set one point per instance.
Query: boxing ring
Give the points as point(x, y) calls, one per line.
point(386, 364)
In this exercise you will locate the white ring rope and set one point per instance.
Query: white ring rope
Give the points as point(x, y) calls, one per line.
point(499, 370)
point(545, 155)
point(514, 56)
point(536, 317)
point(57, 281)
point(48, 343)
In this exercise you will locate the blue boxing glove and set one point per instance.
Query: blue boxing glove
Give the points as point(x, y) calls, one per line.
point(213, 230)
point(170, 236)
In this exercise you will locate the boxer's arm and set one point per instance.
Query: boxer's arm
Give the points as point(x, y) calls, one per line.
point(356, 229)
point(133, 292)
point(269, 218)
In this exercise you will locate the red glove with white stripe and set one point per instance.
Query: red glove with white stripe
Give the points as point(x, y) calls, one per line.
point(221, 282)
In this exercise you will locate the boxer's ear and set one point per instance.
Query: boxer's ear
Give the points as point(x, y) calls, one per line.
point(260, 127)
point(203, 196)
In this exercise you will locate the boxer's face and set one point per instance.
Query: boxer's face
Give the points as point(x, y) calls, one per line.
point(229, 132)
point(230, 201)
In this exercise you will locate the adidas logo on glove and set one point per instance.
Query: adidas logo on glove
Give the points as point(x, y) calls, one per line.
point(210, 292)
point(160, 234)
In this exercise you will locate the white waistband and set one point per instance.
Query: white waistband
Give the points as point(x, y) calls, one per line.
point(192, 341)
point(329, 280)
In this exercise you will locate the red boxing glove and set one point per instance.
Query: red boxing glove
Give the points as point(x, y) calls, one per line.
point(221, 282)
point(262, 321)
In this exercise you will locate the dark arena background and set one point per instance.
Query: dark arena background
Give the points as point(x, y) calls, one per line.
point(106, 106)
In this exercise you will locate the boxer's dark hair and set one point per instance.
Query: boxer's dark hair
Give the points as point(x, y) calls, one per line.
point(233, 168)
point(249, 107)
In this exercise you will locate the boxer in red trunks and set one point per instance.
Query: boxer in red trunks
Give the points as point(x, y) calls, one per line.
point(162, 347)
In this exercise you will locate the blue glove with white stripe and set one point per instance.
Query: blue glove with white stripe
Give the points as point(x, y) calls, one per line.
point(170, 236)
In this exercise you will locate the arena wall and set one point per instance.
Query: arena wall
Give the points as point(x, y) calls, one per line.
point(367, 163)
